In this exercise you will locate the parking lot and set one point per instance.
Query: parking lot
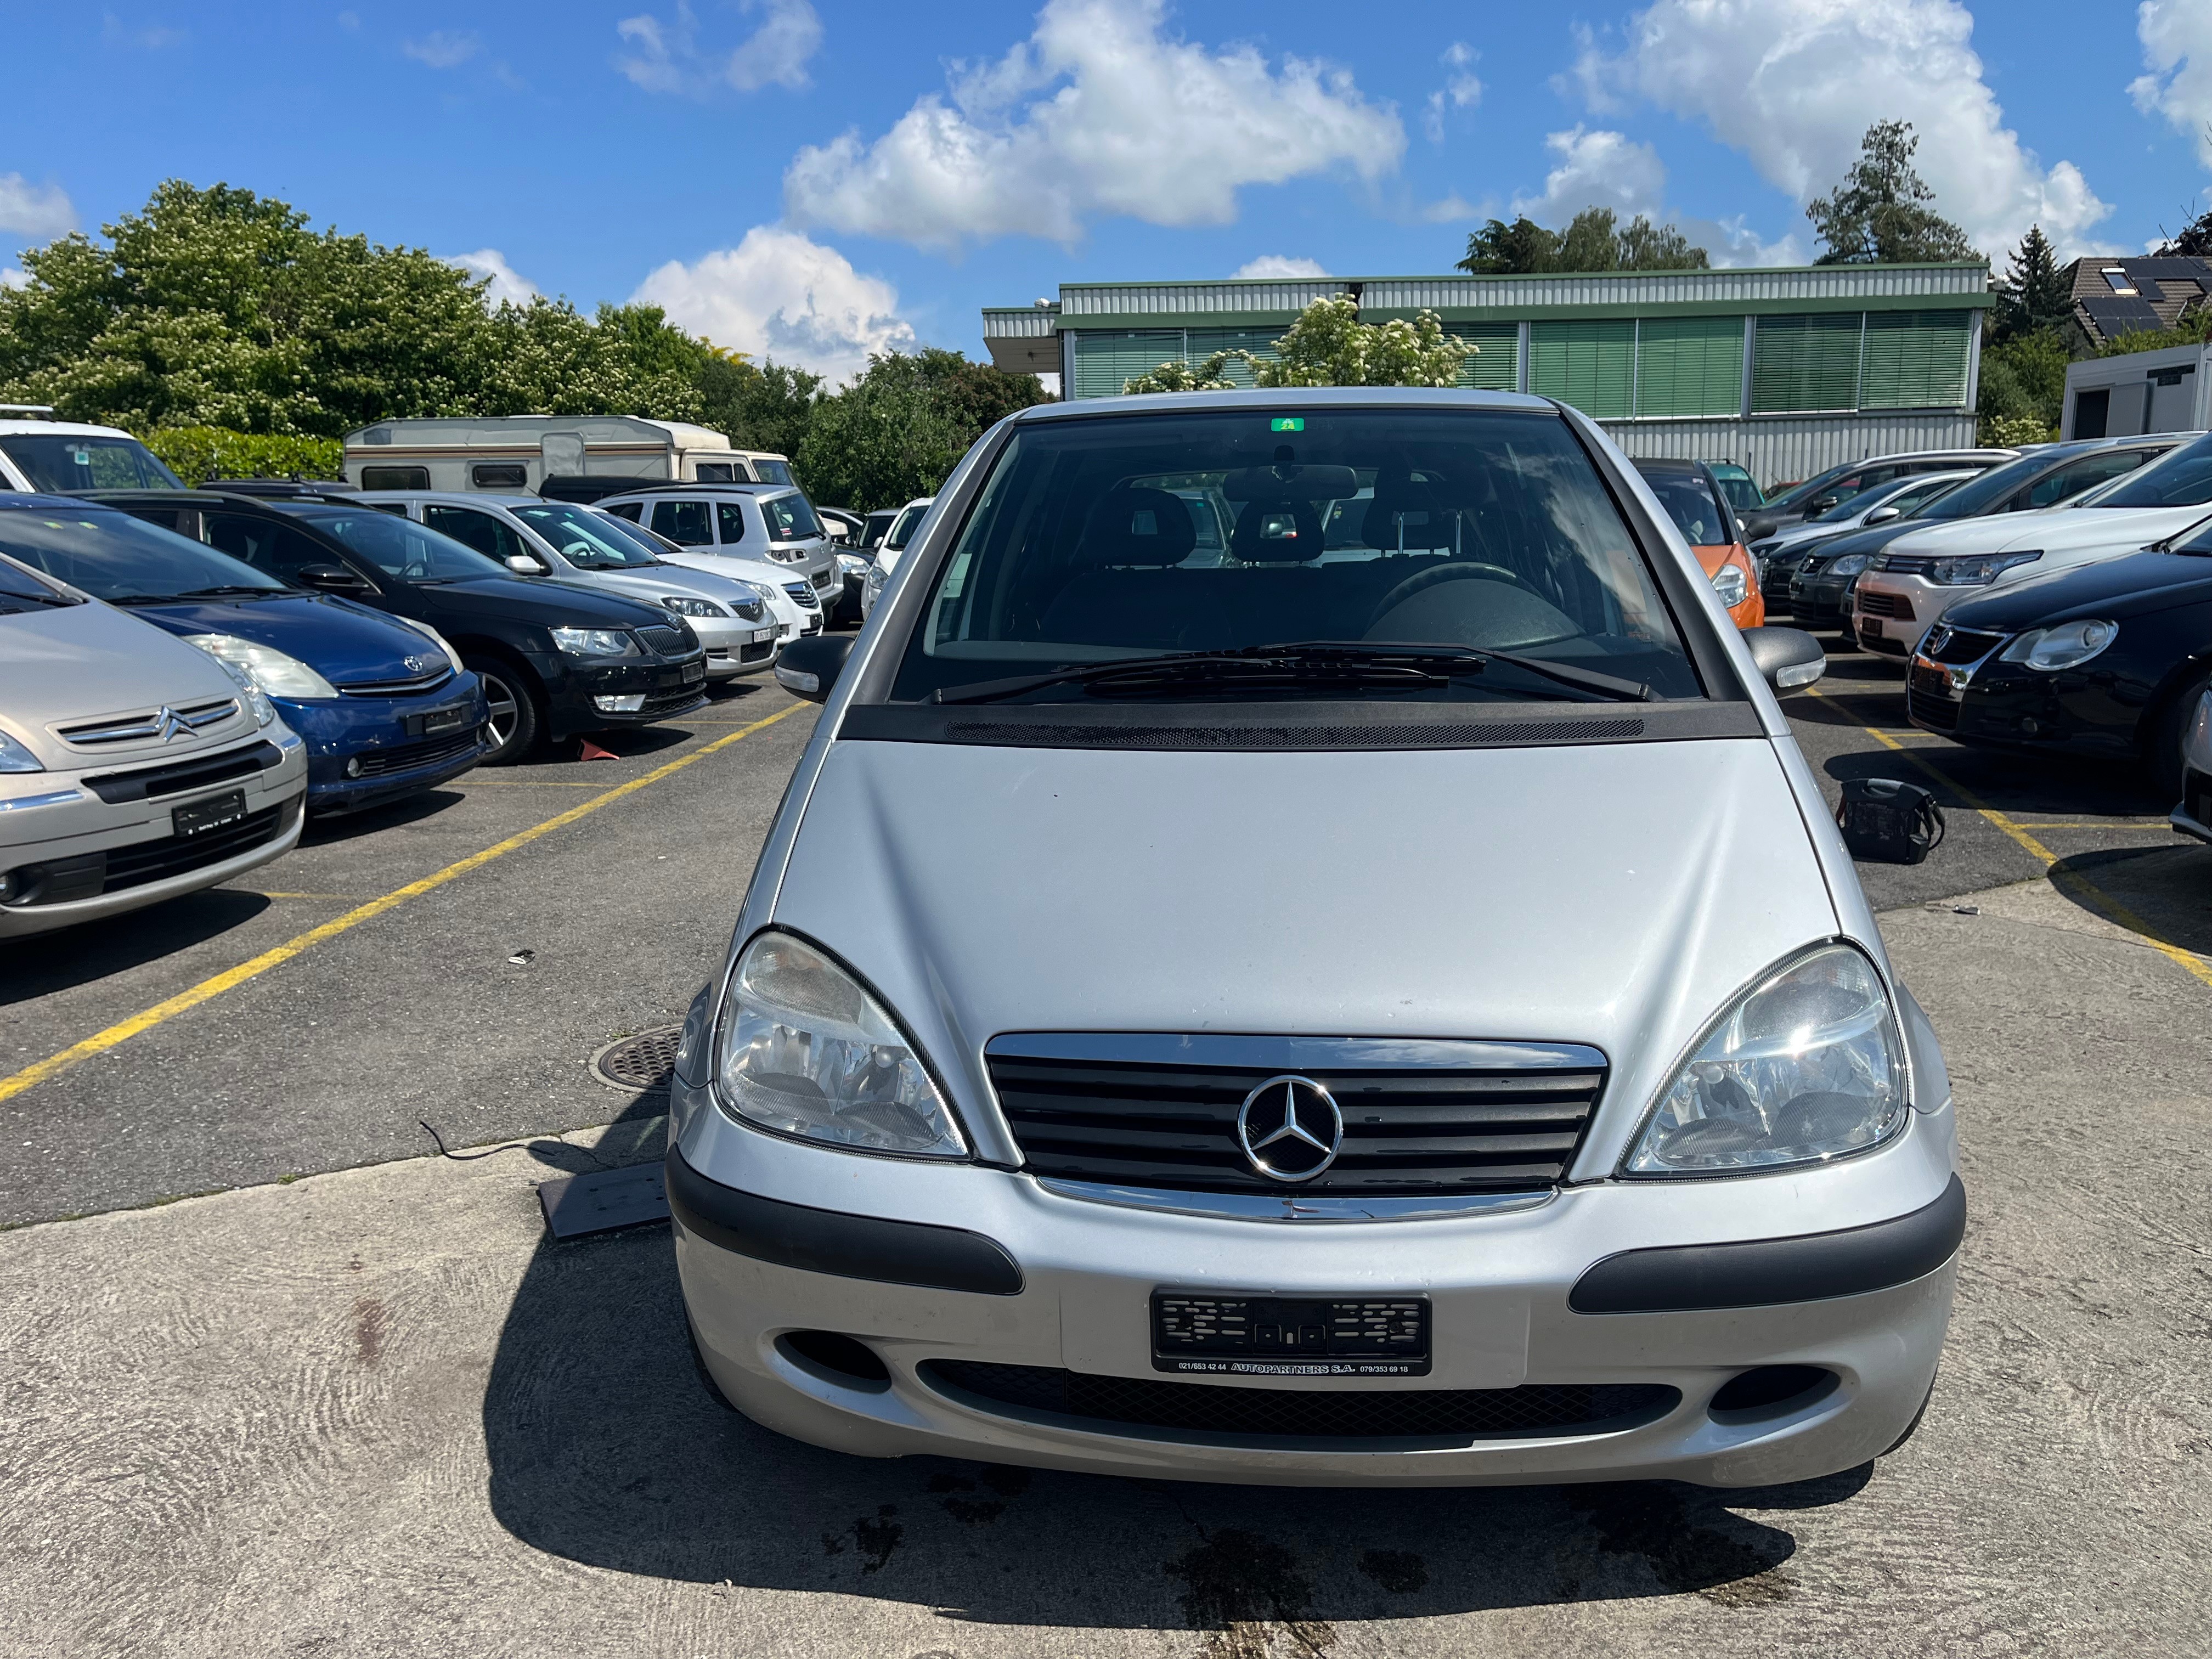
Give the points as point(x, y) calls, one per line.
point(282, 1380)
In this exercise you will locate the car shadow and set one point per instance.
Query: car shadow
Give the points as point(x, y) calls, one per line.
point(38, 966)
point(608, 1447)
point(1964, 779)
point(2161, 893)
point(329, 830)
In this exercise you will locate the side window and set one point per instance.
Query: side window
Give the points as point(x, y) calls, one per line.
point(730, 518)
point(478, 529)
point(500, 475)
point(277, 549)
point(2085, 474)
point(395, 477)
point(634, 511)
point(718, 472)
point(1905, 500)
point(687, 522)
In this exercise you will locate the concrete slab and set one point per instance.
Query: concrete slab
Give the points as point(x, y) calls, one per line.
point(380, 1412)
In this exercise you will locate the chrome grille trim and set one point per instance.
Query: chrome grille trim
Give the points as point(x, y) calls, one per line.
point(145, 727)
point(429, 682)
point(1290, 1207)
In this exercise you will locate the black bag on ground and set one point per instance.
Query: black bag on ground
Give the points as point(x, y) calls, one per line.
point(1890, 822)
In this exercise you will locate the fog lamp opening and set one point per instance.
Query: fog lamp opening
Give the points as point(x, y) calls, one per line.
point(835, 1357)
point(1768, 1391)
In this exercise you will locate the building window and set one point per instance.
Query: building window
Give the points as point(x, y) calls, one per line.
point(2118, 280)
point(1689, 366)
point(1589, 363)
point(1806, 362)
point(1915, 360)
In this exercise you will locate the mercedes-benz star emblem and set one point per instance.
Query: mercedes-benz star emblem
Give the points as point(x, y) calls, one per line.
point(1290, 1128)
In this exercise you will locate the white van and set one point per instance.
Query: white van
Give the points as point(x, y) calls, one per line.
point(570, 456)
point(42, 455)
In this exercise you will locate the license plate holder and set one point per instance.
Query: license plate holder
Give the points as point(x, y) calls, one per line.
point(199, 817)
point(1233, 1334)
point(432, 721)
point(693, 672)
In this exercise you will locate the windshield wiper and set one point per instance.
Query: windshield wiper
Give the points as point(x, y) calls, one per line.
point(1301, 663)
point(38, 599)
point(141, 598)
point(227, 588)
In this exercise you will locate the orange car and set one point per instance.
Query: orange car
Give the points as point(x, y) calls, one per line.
point(1694, 499)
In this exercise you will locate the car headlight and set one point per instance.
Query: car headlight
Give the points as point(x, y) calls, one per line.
point(594, 642)
point(1850, 565)
point(852, 564)
point(1978, 571)
point(1731, 584)
point(689, 607)
point(435, 637)
point(804, 1050)
point(255, 699)
point(16, 757)
point(279, 675)
point(1805, 1066)
point(2067, 646)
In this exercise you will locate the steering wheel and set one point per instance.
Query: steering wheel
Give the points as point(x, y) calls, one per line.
point(1447, 572)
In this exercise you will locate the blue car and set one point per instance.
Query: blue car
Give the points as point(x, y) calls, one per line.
point(384, 707)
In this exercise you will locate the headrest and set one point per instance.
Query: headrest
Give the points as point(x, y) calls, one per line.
point(1137, 527)
point(1291, 483)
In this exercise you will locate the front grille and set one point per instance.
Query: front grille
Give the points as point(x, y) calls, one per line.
point(1928, 698)
point(1448, 1118)
point(1813, 566)
point(755, 652)
point(1885, 605)
point(408, 687)
point(667, 703)
point(88, 875)
point(152, 782)
point(148, 726)
point(1958, 645)
point(406, 757)
point(668, 641)
point(804, 592)
point(1907, 564)
point(1121, 1405)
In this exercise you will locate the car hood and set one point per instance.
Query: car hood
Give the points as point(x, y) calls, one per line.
point(1873, 539)
point(1498, 893)
point(2116, 587)
point(542, 600)
point(347, 644)
point(2056, 529)
point(80, 662)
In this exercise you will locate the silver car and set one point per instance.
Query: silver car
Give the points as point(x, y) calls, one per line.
point(133, 768)
point(1399, 1020)
point(739, 522)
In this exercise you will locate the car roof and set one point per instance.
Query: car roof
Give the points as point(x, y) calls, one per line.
point(457, 498)
point(1351, 397)
point(17, 429)
point(38, 500)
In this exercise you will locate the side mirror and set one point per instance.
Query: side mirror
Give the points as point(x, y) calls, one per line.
point(1884, 514)
point(1788, 658)
point(1820, 504)
point(332, 579)
point(523, 565)
point(809, 668)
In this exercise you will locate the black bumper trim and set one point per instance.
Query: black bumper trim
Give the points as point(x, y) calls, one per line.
point(1769, 1272)
point(832, 1241)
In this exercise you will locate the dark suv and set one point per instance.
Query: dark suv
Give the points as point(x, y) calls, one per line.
point(555, 659)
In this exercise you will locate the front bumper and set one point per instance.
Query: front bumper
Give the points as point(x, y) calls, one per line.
point(1999, 705)
point(1063, 1286)
point(1890, 611)
point(668, 686)
point(1822, 601)
point(364, 751)
point(731, 646)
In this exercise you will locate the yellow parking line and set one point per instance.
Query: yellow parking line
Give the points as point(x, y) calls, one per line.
point(2092, 895)
point(100, 1042)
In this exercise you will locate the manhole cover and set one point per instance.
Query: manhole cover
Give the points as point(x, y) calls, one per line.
point(640, 1063)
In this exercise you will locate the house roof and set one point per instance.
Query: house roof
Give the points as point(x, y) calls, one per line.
point(2117, 296)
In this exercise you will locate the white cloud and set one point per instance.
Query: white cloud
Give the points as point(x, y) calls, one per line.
point(2177, 47)
point(1793, 84)
point(442, 49)
point(1461, 89)
point(777, 293)
point(11, 278)
point(507, 284)
point(666, 57)
point(149, 37)
point(36, 213)
point(1279, 265)
point(1597, 169)
point(1097, 112)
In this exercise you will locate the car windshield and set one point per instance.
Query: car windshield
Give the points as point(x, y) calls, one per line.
point(2181, 478)
point(406, 551)
point(1485, 531)
point(58, 462)
point(909, 520)
point(1978, 494)
point(586, 540)
point(19, 590)
point(1692, 507)
point(790, 518)
point(122, 560)
point(1804, 492)
point(1864, 502)
point(1736, 484)
point(772, 471)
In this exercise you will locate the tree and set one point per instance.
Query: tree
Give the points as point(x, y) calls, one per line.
point(882, 440)
point(2023, 382)
point(1878, 214)
point(2034, 294)
point(1593, 240)
point(2194, 241)
point(1328, 345)
point(766, 406)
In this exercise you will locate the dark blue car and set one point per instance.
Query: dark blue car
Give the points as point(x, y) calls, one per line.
point(384, 707)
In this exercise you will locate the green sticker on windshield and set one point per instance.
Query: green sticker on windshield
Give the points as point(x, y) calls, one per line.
point(1287, 423)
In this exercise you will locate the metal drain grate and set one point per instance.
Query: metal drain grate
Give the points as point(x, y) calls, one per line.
point(640, 1064)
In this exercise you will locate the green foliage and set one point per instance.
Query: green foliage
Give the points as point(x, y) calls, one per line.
point(2015, 431)
point(2023, 384)
point(2194, 328)
point(1176, 375)
point(1593, 240)
point(2033, 294)
point(1328, 345)
point(1878, 214)
point(901, 427)
point(760, 407)
point(197, 453)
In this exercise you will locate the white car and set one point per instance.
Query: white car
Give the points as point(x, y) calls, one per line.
point(531, 535)
point(1878, 505)
point(747, 521)
point(793, 603)
point(904, 528)
point(41, 455)
point(1921, 575)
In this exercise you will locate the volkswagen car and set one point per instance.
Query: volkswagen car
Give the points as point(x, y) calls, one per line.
point(1298, 1019)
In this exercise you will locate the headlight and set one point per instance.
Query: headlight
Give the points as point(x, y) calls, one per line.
point(267, 667)
point(594, 642)
point(1978, 571)
point(803, 1049)
point(1805, 1066)
point(255, 699)
point(852, 564)
point(1730, 583)
point(15, 758)
point(1850, 565)
point(432, 634)
point(688, 607)
point(2067, 646)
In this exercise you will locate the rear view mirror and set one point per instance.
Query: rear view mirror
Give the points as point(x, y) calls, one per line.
point(331, 578)
point(1820, 504)
point(809, 668)
point(523, 565)
point(1883, 514)
point(1788, 658)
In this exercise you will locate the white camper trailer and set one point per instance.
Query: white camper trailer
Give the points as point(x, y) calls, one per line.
point(572, 457)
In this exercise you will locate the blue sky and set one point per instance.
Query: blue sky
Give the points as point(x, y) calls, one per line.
point(812, 179)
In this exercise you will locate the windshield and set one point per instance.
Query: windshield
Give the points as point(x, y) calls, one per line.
point(2182, 478)
point(772, 471)
point(122, 560)
point(1852, 507)
point(1735, 483)
point(1984, 489)
point(909, 520)
point(586, 540)
point(1485, 529)
point(19, 590)
point(402, 548)
point(1692, 507)
point(59, 462)
point(790, 518)
point(1812, 487)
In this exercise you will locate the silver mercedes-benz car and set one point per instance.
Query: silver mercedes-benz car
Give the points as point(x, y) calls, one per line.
point(1401, 1018)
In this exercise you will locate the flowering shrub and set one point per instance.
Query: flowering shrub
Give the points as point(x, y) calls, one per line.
point(1328, 345)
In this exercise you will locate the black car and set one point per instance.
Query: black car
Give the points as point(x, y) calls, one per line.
point(2104, 660)
point(1812, 581)
point(556, 659)
point(1829, 489)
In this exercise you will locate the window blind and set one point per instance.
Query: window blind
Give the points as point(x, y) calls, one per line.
point(1591, 363)
point(1804, 362)
point(1915, 360)
point(1689, 366)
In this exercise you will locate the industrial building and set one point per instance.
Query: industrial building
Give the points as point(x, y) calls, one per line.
point(1785, 372)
